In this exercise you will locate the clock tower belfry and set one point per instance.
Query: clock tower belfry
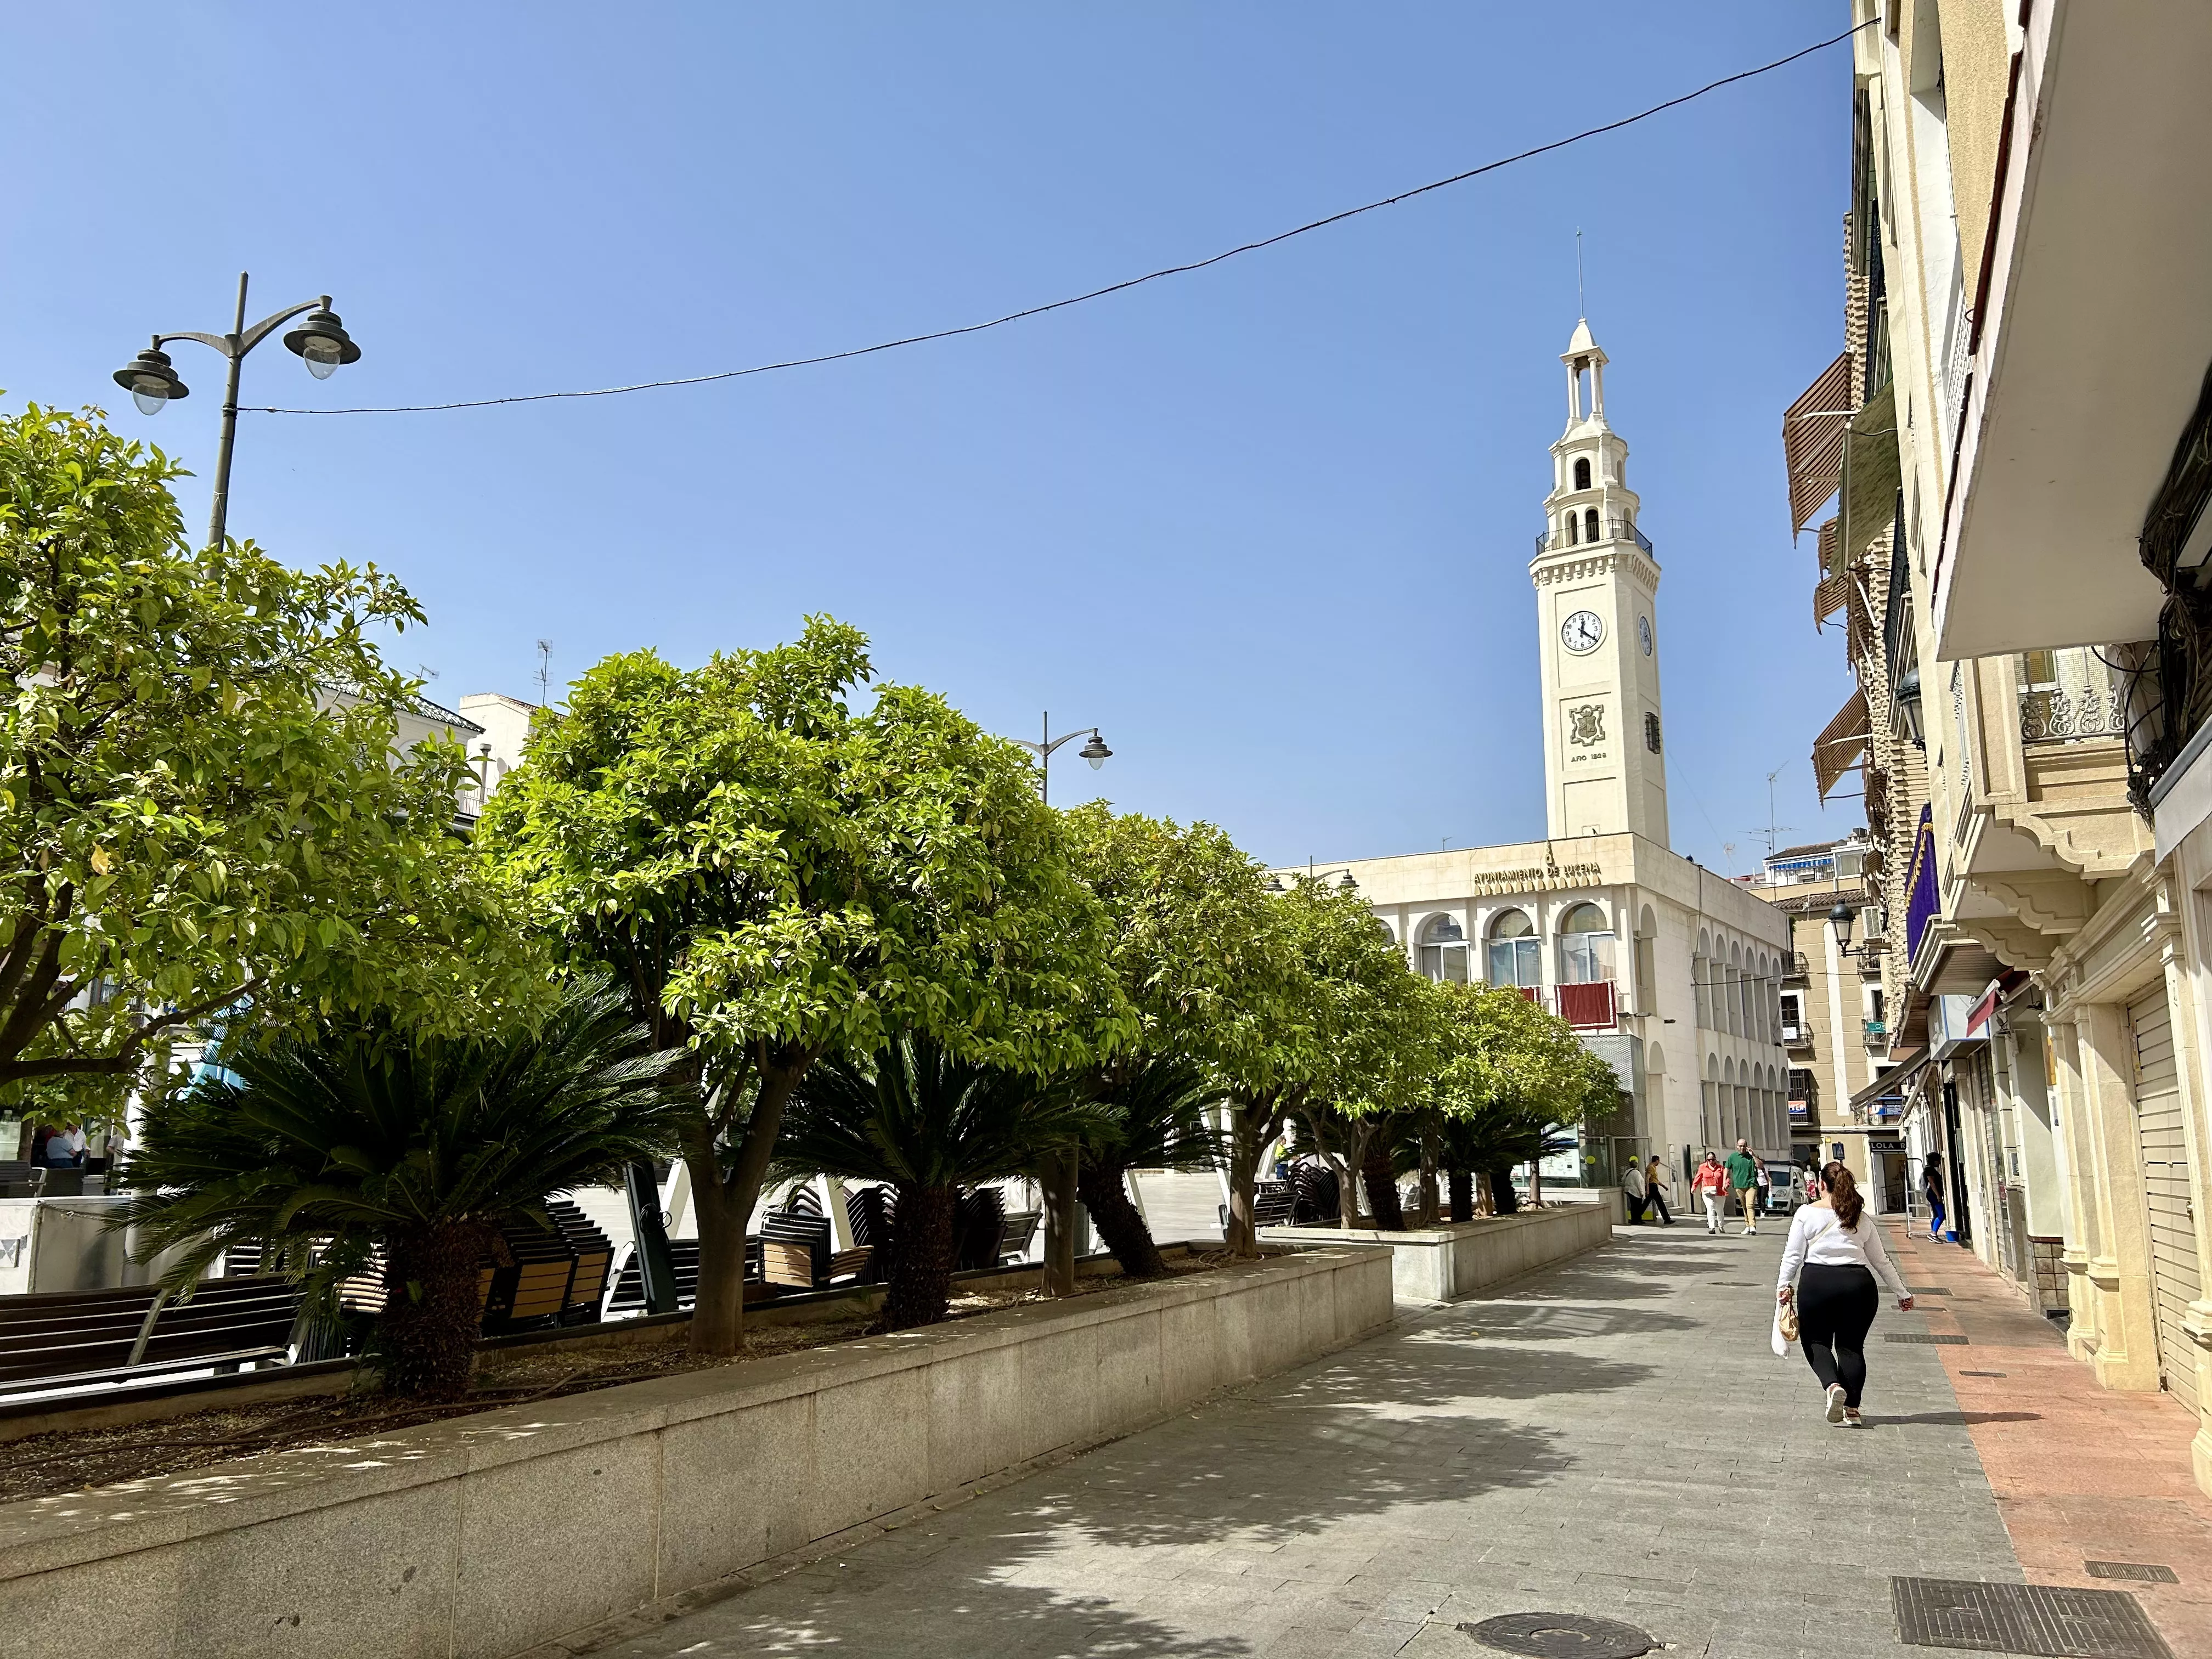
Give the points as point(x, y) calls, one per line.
point(1605, 767)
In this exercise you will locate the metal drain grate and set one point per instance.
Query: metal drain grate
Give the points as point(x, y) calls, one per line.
point(2044, 1619)
point(1982, 1373)
point(1930, 1289)
point(2142, 1571)
point(1922, 1336)
point(1564, 1636)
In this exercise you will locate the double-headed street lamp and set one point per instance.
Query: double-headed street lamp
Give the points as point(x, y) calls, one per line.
point(1095, 751)
point(320, 342)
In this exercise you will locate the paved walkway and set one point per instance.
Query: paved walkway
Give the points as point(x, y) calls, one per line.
point(1612, 1437)
point(2081, 1474)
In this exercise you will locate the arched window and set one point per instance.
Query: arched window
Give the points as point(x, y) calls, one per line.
point(1574, 534)
point(1581, 473)
point(1513, 951)
point(1444, 950)
point(1589, 524)
point(1585, 946)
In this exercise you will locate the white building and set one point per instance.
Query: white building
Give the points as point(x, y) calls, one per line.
point(1672, 972)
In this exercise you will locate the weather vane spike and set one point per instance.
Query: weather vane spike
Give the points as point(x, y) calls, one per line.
point(1582, 306)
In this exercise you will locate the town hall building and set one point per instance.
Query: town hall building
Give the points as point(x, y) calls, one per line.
point(1669, 972)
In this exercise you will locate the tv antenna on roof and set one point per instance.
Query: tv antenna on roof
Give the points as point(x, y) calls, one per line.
point(1773, 831)
point(545, 672)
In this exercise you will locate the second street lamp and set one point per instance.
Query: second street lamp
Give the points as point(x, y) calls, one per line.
point(152, 381)
point(1095, 751)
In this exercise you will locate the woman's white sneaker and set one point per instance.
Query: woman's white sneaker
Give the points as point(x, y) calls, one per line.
point(1835, 1402)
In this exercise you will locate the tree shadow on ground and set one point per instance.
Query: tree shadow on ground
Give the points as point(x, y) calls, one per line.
point(1525, 1322)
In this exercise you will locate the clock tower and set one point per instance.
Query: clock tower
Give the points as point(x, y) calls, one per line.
point(1605, 767)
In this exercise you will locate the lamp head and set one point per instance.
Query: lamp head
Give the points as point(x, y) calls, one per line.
point(1907, 697)
point(1841, 919)
point(321, 342)
point(1347, 884)
point(150, 381)
point(1096, 751)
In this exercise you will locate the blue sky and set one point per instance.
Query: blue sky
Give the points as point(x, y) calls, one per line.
point(1267, 526)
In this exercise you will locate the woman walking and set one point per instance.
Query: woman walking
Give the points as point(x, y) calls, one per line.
point(1838, 1249)
point(1710, 1184)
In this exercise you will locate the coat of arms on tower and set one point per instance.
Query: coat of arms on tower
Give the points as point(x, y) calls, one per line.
point(1586, 724)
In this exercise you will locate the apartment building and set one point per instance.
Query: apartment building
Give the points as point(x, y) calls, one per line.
point(2017, 440)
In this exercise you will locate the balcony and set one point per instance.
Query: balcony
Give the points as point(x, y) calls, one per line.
point(1877, 1035)
point(1617, 529)
point(1589, 1007)
point(1795, 966)
point(1796, 1037)
point(2068, 695)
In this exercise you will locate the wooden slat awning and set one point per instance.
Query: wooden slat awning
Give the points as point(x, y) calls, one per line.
point(1870, 475)
point(1812, 440)
point(1840, 743)
point(1829, 594)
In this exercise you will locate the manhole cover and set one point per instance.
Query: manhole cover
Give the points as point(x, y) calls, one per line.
point(2024, 1619)
point(1922, 1336)
point(1550, 1635)
point(2143, 1571)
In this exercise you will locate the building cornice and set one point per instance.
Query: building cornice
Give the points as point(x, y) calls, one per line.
point(1548, 569)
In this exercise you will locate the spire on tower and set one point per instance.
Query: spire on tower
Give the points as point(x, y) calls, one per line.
point(1584, 356)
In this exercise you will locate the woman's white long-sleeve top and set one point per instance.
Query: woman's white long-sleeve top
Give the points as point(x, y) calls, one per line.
point(1818, 1236)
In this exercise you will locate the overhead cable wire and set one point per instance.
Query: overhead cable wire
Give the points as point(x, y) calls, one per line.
point(1097, 293)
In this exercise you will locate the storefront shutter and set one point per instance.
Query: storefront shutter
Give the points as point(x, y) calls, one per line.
point(2175, 1280)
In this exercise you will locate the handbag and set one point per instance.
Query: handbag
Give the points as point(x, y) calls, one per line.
point(1787, 1318)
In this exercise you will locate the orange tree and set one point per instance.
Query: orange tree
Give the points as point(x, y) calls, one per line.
point(774, 876)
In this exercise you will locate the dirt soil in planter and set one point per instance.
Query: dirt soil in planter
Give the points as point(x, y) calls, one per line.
point(50, 1465)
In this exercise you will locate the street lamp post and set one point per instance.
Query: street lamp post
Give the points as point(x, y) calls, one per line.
point(320, 342)
point(1095, 751)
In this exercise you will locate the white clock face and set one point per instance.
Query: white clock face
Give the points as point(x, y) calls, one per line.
point(1644, 633)
point(1583, 632)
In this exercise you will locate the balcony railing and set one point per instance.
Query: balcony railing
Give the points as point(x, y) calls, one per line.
point(1797, 1036)
point(2070, 695)
point(1614, 529)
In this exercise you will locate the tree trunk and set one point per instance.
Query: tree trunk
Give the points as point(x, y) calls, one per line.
point(1503, 1199)
point(1120, 1224)
point(718, 1313)
point(432, 1311)
point(1429, 1216)
point(1251, 1127)
point(1382, 1185)
point(724, 1199)
point(1462, 1195)
point(921, 1271)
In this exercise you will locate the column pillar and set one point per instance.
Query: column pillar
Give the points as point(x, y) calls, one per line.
point(2127, 1331)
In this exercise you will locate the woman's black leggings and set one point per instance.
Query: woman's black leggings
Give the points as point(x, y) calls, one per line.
point(1835, 1309)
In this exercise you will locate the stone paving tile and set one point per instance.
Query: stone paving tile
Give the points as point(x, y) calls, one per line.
point(1611, 1437)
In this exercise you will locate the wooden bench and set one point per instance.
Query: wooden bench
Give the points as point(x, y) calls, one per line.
point(628, 1296)
point(1015, 1234)
point(795, 1252)
point(72, 1339)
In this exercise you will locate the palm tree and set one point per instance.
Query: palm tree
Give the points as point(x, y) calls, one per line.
point(1155, 1119)
point(328, 1148)
point(930, 1124)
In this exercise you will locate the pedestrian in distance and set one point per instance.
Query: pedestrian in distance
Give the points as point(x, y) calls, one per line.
point(1634, 1191)
point(1931, 1187)
point(1743, 1178)
point(1828, 1274)
point(1656, 1184)
point(1711, 1184)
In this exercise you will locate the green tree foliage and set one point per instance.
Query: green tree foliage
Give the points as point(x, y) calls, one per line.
point(202, 798)
point(1510, 1076)
point(931, 1124)
point(1343, 1039)
point(329, 1148)
point(777, 877)
point(1202, 949)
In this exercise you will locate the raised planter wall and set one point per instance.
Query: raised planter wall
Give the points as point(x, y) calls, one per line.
point(1440, 1264)
point(487, 1535)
